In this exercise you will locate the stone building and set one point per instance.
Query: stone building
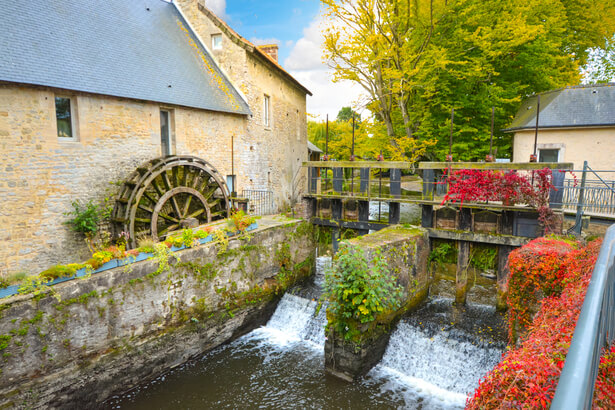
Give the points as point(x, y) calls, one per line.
point(89, 90)
point(575, 124)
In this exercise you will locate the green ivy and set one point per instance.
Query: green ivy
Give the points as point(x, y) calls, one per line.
point(359, 291)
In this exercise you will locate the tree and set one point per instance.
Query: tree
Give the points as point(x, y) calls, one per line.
point(372, 42)
point(419, 59)
point(600, 67)
point(346, 114)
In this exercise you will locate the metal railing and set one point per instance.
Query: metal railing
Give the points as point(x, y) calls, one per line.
point(595, 328)
point(260, 201)
point(594, 193)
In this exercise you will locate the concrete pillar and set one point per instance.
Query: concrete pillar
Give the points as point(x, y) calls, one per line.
point(363, 216)
point(336, 215)
point(429, 179)
point(394, 207)
point(502, 276)
point(338, 180)
point(463, 258)
point(427, 216)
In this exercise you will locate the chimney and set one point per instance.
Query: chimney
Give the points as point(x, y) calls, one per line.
point(271, 50)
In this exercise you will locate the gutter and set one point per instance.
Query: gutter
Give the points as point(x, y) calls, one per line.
point(563, 127)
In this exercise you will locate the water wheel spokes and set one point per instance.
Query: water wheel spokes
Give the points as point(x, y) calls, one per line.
point(166, 194)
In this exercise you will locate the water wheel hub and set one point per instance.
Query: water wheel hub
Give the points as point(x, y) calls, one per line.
point(168, 194)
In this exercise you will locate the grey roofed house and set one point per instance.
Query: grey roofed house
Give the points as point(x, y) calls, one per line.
point(313, 148)
point(138, 49)
point(570, 107)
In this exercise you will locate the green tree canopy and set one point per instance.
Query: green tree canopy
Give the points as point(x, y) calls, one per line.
point(417, 60)
point(346, 113)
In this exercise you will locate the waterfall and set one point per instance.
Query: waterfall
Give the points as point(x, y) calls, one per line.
point(434, 358)
point(296, 320)
point(323, 263)
point(436, 366)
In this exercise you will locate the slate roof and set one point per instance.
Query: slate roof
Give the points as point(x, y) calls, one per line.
point(248, 46)
point(139, 49)
point(578, 106)
point(313, 148)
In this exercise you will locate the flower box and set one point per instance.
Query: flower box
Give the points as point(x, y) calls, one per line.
point(106, 266)
point(9, 291)
point(206, 239)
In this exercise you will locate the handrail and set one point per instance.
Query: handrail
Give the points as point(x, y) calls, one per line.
point(439, 165)
point(595, 327)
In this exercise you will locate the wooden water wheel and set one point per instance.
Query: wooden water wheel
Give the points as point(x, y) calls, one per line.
point(167, 194)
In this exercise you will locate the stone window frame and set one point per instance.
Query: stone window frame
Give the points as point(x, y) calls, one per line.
point(214, 44)
point(558, 146)
point(267, 111)
point(172, 142)
point(74, 123)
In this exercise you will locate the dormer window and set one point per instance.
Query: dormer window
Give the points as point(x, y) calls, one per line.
point(216, 41)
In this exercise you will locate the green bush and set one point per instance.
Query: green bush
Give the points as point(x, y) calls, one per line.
point(86, 217)
point(359, 291)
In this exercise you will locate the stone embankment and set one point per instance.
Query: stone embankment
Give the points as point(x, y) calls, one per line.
point(113, 330)
point(405, 251)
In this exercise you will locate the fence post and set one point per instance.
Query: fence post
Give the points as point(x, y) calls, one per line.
point(338, 180)
point(313, 172)
point(395, 191)
point(556, 194)
point(578, 225)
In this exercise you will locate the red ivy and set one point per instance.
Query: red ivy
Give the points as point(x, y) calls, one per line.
point(509, 187)
point(536, 270)
point(528, 374)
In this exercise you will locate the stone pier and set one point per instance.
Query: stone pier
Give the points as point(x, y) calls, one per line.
point(405, 250)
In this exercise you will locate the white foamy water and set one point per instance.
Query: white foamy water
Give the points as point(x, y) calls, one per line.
point(295, 320)
point(440, 371)
point(323, 263)
point(423, 371)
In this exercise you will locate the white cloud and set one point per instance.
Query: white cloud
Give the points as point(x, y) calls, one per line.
point(217, 6)
point(305, 64)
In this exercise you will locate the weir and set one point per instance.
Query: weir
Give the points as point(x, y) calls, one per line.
point(340, 194)
point(434, 358)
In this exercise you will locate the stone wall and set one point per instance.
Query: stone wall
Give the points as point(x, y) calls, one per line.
point(42, 175)
point(575, 145)
point(273, 153)
point(405, 251)
point(127, 325)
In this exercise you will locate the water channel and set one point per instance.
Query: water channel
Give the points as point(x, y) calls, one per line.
point(434, 359)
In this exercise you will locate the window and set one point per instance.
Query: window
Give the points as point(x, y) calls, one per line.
point(216, 41)
point(65, 117)
point(230, 183)
point(266, 111)
point(165, 132)
point(548, 155)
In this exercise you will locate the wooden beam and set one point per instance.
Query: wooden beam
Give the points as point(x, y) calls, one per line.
point(497, 165)
point(410, 200)
point(349, 224)
point(504, 240)
point(361, 164)
point(439, 165)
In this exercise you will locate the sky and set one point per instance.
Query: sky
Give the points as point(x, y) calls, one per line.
point(295, 26)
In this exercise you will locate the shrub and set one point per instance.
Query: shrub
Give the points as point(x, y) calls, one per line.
point(527, 376)
point(358, 292)
point(536, 270)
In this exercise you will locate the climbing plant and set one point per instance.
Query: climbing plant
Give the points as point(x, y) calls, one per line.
point(358, 291)
point(536, 270)
point(527, 375)
point(510, 187)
